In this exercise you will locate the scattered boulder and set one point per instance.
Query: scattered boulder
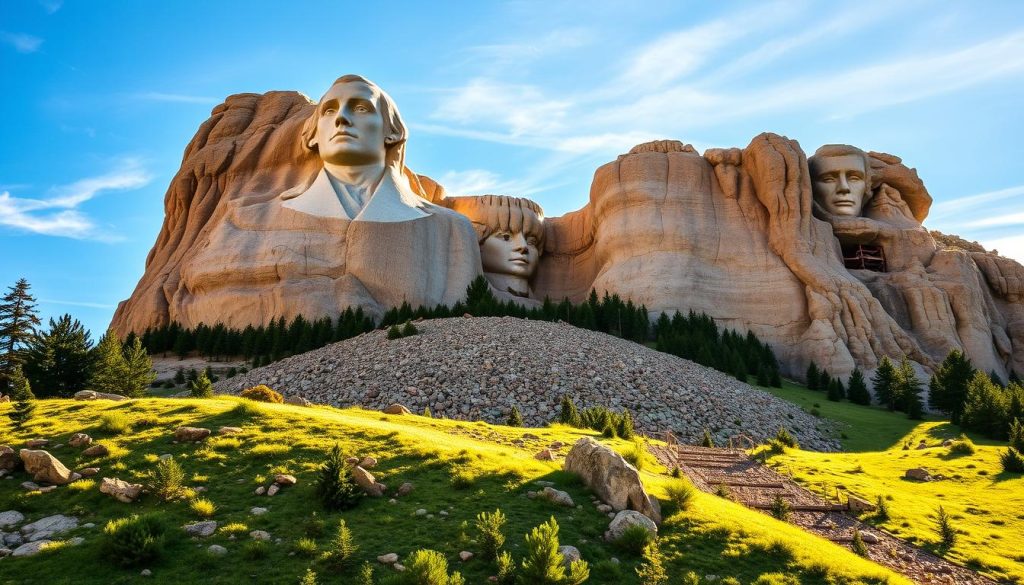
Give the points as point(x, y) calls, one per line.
point(8, 459)
point(10, 518)
point(868, 537)
point(89, 471)
point(272, 490)
point(259, 535)
point(191, 434)
point(922, 445)
point(30, 548)
point(45, 467)
point(388, 559)
point(229, 430)
point(30, 486)
point(366, 481)
point(80, 440)
point(283, 479)
point(569, 553)
point(918, 474)
point(404, 489)
point(93, 395)
point(257, 511)
point(624, 520)
point(396, 409)
point(858, 505)
point(947, 443)
point(351, 461)
point(260, 491)
point(201, 529)
point(36, 443)
point(558, 497)
point(97, 450)
point(217, 550)
point(611, 477)
point(465, 556)
point(368, 462)
point(4, 552)
point(120, 490)
point(48, 527)
point(297, 401)
point(545, 455)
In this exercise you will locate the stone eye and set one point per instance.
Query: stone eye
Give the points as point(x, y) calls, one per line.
point(506, 237)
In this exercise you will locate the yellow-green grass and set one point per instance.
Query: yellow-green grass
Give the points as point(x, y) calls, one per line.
point(985, 504)
point(460, 467)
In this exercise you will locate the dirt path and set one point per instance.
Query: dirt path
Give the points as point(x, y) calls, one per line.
point(754, 485)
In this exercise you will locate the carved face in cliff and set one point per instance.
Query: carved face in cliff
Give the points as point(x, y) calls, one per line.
point(512, 253)
point(349, 125)
point(840, 180)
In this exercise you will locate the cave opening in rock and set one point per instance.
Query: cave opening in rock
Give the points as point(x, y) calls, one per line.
point(863, 257)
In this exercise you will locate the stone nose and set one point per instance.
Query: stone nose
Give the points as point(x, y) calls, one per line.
point(519, 243)
point(844, 185)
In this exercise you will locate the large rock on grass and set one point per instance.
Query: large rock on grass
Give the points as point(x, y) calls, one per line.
point(191, 434)
point(45, 467)
point(120, 490)
point(611, 477)
point(626, 518)
point(93, 395)
point(8, 459)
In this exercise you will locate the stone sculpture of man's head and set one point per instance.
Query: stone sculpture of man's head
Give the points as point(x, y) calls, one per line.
point(511, 235)
point(356, 123)
point(840, 179)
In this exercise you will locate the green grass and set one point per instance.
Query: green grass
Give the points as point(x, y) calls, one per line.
point(985, 504)
point(712, 536)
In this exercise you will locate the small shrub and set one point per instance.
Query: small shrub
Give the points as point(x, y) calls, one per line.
point(82, 485)
point(506, 569)
point(776, 579)
point(1012, 461)
point(625, 428)
point(947, 534)
point(652, 567)
point(343, 547)
point(681, 493)
point(235, 528)
point(335, 487)
point(858, 545)
point(427, 413)
point(365, 576)
point(134, 540)
point(677, 473)
point(634, 539)
point(254, 550)
point(544, 565)
point(962, 446)
point(305, 547)
point(722, 491)
point(309, 578)
point(115, 423)
point(636, 455)
point(786, 439)
point(1017, 435)
point(262, 393)
point(608, 431)
point(201, 387)
point(489, 533)
point(515, 418)
point(409, 329)
point(707, 441)
point(203, 508)
point(247, 409)
point(781, 509)
point(429, 567)
point(394, 332)
point(168, 480)
point(269, 450)
point(314, 527)
point(881, 509)
point(462, 479)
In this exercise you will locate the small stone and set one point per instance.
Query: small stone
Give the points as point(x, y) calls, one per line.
point(368, 462)
point(30, 548)
point(545, 455)
point(396, 409)
point(570, 554)
point(47, 489)
point(398, 567)
point(388, 559)
point(257, 511)
point(283, 479)
point(76, 541)
point(421, 512)
point(260, 491)
point(430, 516)
point(36, 443)
point(392, 501)
point(201, 529)
point(404, 489)
point(351, 461)
point(80, 440)
point(229, 430)
point(120, 490)
point(166, 456)
point(191, 434)
point(217, 550)
point(273, 489)
point(96, 451)
point(146, 573)
point(465, 555)
point(443, 512)
point(89, 471)
point(259, 535)
point(868, 537)
point(10, 518)
point(558, 497)
point(88, 525)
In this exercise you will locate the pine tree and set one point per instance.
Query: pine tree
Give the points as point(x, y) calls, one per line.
point(883, 382)
point(652, 566)
point(179, 377)
point(515, 418)
point(947, 534)
point(343, 547)
point(138, 369)
point(335, 487)
point(58, 361)
point(625, 429)
point(569, 415)
point(907, 390)
point(707, 441)
point(857, 389)
point(948, 388)
point(1017, 435)
point(24, 401)
point(109, 368)
point(776, 378)
point(835, 390)
point(812, 376)
point(201, 387)
point(544, 565)
point(18, 321)
point(762, 376)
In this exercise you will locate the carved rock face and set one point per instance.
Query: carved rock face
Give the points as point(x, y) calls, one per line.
point(839, 184)
point(350, 128)
point(514, 254)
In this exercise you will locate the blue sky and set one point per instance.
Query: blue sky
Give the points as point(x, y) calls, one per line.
point(524, 98)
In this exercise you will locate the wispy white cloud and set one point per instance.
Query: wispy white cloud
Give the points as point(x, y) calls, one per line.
point(156, 96)
point(518, 53)
point(78, 304)
point(57, 214)
point(518, 109)
point(22, 42)
point(1011, 246)
point(953, 208)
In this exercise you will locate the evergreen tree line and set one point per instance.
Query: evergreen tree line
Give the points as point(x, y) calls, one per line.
point(694, 337)
point(61, 359)
point(896, 387)
point(975, 400)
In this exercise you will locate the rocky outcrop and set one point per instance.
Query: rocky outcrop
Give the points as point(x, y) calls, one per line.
point(120, 490)
point(45, 467)
point(473, 369)
point(611, 478)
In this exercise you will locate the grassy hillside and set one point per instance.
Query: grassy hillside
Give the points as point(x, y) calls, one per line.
point(461, 468)
point(986, 505)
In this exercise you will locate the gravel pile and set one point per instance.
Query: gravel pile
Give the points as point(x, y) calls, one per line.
point(479, 368)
